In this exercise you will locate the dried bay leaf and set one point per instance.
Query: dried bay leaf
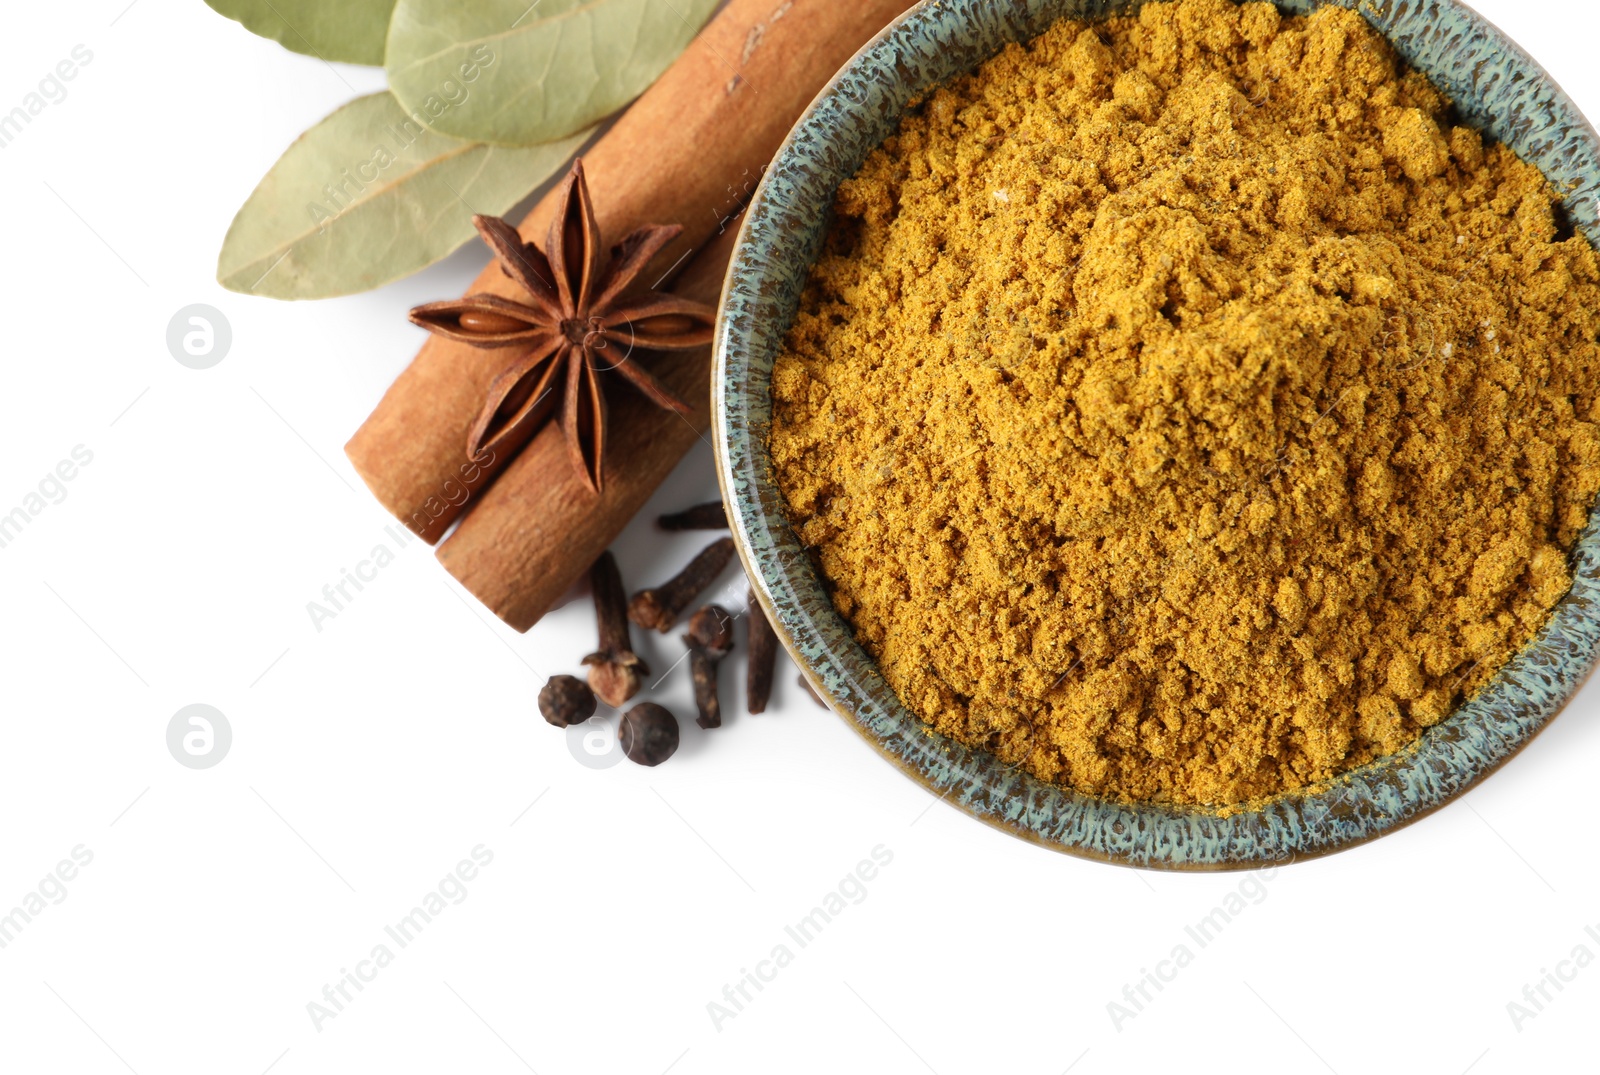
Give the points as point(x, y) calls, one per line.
point(370, 195)
point(537, 71)
point(352, 31)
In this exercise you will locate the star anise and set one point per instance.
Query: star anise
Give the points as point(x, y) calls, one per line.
point(583, 320)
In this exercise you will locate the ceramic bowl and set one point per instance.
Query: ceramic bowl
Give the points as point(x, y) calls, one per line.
point(1496, 87)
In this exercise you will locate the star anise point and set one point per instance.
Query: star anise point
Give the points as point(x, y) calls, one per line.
point(581, 321)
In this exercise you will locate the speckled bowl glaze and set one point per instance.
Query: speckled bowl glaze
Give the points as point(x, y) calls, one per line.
point(1496, 87)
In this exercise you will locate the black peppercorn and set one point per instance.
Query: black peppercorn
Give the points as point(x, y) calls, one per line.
point(566, 700)
point(649, 734)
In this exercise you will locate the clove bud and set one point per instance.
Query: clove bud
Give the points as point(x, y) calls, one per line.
point(712, 516)
point(763, 658)
point(659, 608)
point(710, 639)
point(614, 669)
point(811, 691)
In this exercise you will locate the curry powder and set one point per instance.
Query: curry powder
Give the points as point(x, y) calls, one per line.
point(1183, 409)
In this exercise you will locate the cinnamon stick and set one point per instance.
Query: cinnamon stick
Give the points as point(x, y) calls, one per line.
point(689, 151)
point(538, 527)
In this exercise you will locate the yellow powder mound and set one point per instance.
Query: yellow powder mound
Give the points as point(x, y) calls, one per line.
point(1184, 410)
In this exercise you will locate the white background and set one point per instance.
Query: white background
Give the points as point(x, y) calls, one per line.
point(369, 758)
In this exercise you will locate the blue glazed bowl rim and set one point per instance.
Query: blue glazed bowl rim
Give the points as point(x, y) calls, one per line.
point(1516, 102)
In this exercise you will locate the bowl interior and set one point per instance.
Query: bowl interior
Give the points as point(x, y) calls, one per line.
point(1496, 88)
